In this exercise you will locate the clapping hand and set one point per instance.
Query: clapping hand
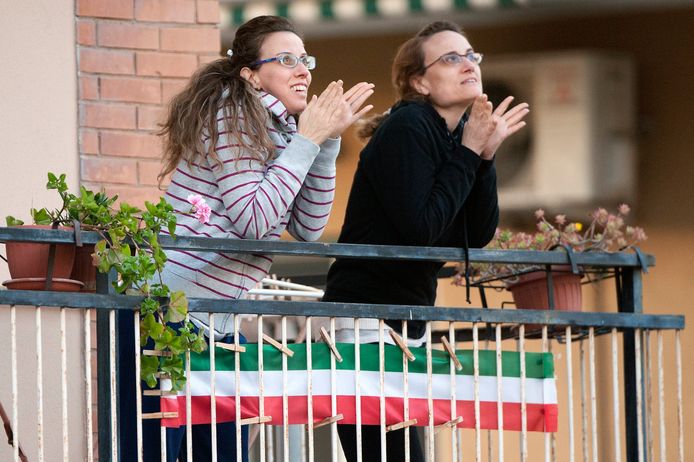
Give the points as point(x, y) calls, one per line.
point(480, 125)
point(508, 122)
point(329, 114)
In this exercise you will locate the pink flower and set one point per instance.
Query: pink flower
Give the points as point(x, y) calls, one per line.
point(539, 214)
point(200, 208)
point(624, 209)
point(560, 220)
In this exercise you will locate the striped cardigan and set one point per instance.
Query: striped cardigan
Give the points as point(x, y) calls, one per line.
point(250, 200)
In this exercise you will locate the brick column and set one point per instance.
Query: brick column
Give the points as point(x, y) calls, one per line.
point(133, 56)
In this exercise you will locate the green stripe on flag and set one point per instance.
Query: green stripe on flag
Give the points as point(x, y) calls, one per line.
point(538, 365)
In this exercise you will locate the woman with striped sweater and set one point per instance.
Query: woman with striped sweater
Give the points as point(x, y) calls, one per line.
point(232, 138)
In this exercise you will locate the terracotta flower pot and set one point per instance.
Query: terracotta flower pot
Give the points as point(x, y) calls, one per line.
point(530, 292)
point(30, 260)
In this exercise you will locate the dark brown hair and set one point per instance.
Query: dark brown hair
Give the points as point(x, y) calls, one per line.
point(192, 115)
point(408, 63)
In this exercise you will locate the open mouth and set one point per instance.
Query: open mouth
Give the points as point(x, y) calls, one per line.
point(299, 88)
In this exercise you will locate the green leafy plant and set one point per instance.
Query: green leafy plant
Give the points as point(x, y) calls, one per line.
point(606, 232)
point(130, 246)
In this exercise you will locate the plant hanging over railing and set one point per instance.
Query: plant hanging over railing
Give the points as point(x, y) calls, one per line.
point(130, 246)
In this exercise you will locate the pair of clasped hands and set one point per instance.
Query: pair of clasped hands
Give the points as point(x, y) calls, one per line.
point(328, 115)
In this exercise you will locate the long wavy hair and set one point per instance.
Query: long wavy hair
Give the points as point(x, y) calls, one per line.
point(407, 64)
point(192, 115)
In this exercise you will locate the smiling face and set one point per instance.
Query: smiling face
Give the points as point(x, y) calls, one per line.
point(451, 88)
point(289, 85)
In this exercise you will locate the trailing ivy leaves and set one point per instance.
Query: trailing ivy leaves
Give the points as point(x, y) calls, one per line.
point(130, 246)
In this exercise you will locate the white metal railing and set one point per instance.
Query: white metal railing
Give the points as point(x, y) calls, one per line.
point(579, 399)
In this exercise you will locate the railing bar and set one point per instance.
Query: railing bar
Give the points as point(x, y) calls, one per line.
point(593, 393)
point(261, 390)
point(430, 399)
point(162, 443)
point(87, 326)
point(270, 443)
point(490, 453)
point(237, 391)
point(547, 435)
point(382, 390)
point(309, 367)
point(113, 378)
point(63, 385)
point(639, 393)
point(453, 384)
point(138, 386)
point(189, 402)
point(442, 254)
point(476, 382)
point(524, 405)
point(661, 399)
point(39, 385)
point(570, 393)
point(351, 310)
point(648, 362)
point(213, 389)
point(553, 436)
point(13, 369)
point(406, 393)
point(302, 443)
point(499, 393)
point(583, 394)
point(333, 397)
point(285, 396)
point(615, 399)
point(680, 413)
point(357, 391)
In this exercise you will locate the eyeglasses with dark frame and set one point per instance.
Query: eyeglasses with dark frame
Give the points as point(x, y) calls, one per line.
point(454, 59)
point(289, 60)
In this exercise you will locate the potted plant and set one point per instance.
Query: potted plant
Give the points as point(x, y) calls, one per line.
point(130, 246)
point(606, 232)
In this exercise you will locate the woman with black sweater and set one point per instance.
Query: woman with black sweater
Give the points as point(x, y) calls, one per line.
point(425, 178)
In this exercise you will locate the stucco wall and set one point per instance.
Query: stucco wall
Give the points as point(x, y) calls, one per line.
point(38, 133)
point(38, 103)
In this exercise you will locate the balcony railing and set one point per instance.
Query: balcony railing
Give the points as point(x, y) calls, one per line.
point(610, 396)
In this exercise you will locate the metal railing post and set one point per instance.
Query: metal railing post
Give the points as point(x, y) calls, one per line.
point(630, 300)
point(103, 381)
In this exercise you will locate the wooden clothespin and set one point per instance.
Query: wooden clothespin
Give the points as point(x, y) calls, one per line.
point(278, 345)
point(401, 343)
point(451, 353)
point(156, 353)
point(329, 341)
point(328, 421)
point(256, 420)
point(158, 392)
point(399, 425)
point(230, 347)
point(450, 424)
point(159, 415)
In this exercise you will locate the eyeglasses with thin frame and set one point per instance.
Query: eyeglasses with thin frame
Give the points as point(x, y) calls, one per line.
point(454, 59)
point(290, 60)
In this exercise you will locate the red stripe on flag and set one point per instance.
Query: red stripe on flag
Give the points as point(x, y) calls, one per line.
point(540, 417)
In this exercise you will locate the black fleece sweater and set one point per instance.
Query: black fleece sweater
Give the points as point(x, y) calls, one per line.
point(415, 185)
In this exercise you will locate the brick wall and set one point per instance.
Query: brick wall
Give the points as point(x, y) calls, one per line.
point(133, 56)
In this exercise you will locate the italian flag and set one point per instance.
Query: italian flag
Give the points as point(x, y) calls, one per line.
point(540, 387)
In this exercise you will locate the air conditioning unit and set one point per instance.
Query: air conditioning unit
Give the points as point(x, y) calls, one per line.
point(578, 149)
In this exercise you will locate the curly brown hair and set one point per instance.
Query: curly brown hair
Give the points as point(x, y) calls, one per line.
point(192, 115)
point(408, 63)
